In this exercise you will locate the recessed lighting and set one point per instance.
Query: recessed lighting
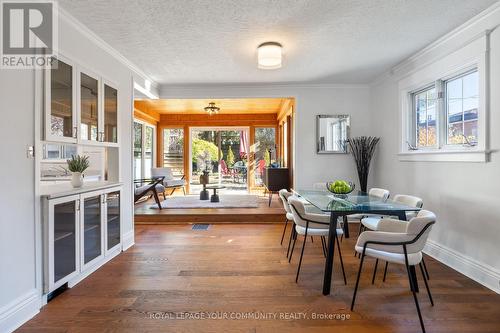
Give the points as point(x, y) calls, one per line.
point(269, 55)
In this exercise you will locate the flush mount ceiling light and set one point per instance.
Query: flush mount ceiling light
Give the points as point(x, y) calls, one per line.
point(211, 108)
point(269, 55)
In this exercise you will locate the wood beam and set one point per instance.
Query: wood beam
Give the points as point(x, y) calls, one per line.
point(205, 120)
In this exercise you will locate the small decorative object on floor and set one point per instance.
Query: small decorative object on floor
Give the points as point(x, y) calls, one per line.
point(77, 165)
point(362, 149)
point(204, 180)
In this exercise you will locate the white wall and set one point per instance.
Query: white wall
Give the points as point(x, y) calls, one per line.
point(464, 195)
point(20, 239)
point(17, 199)
point(311, 100)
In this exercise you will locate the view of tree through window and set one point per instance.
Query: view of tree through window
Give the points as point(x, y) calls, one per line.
point(462, 100)
point(425, 107)
point(222, 152)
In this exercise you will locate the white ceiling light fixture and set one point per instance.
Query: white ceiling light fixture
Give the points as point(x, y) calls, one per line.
point(269, 55)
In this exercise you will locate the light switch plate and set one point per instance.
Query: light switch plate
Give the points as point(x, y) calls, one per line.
point(30, 151)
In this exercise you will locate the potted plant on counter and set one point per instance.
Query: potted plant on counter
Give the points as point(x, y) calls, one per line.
point(77, 165)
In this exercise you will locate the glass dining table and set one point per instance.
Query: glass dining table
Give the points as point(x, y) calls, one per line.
point(342, 206)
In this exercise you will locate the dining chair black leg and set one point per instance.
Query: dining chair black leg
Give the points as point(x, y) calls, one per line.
point(301, 255)
point(357, 279)
point(341, 261)
point(425, 268)
point(385, 270)
point(293, 247)
point(312, 240)
point(374, 271)
point(426, 284)
point(323, 245)
point(413, 288)
point(290, 240)
point(284, 230)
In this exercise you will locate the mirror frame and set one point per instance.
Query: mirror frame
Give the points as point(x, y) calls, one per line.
point(338, 116)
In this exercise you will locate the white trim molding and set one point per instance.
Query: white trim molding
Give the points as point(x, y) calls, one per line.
point(452, 41)
point(19, 311)
point(70, 19)
point(472, 155)
point(484, 274)
point(128, 240)
point(474, 55)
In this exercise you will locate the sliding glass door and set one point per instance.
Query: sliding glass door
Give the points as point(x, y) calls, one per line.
point(223, 152)
point(144, 149)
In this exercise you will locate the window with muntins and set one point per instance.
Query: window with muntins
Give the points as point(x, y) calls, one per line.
point(424, 103)
point(445, 114)
point(462, 102)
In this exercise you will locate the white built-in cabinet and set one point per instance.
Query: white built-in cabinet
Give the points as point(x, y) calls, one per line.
point(81, 106)
point(83, 231)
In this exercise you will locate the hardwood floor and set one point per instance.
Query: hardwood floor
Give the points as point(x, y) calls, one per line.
point(263, 213)
point(231, 269)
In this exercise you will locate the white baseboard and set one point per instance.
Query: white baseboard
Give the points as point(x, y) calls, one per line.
point(19, 311)
point(479, 272)
point(128, 240)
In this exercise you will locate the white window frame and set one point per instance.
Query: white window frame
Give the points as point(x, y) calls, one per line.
point(473, 55)
point(143, 144)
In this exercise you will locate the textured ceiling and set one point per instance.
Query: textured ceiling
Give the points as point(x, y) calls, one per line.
point(214, 41)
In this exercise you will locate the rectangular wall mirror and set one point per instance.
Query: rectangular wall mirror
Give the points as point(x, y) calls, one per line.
point(332, 133)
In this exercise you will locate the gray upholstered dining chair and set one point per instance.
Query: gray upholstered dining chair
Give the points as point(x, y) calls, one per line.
point(398, 242)
point(311, 222)
point(169, 182)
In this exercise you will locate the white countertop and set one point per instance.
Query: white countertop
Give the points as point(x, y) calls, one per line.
point(52, 191)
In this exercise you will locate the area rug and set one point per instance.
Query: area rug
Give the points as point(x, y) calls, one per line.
point(225, 201)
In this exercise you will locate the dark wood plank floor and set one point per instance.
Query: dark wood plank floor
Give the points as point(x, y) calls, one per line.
point(231, 269)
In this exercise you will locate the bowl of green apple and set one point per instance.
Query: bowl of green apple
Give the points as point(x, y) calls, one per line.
point(340, 187)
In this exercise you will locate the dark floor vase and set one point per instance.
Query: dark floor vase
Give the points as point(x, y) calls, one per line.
point(362, 149)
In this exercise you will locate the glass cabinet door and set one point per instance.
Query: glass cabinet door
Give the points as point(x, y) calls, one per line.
point(110, 133)
point(89, 110)
point(64, 233)
point(91, 228)
point(60, 120)
point(113, 219)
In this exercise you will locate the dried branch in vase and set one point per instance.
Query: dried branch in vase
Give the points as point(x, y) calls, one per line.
point(362, 149)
